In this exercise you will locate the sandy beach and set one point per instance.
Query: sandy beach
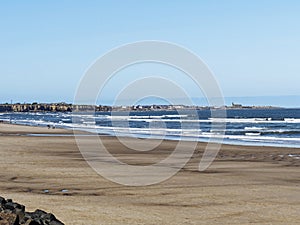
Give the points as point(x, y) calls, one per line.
point(244, 185)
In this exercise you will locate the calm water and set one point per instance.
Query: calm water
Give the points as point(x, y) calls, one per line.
point(264, 127)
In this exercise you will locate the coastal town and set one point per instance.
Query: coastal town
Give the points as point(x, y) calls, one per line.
point(67, 107)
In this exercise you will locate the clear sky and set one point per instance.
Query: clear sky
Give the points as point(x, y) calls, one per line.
point(252, 47)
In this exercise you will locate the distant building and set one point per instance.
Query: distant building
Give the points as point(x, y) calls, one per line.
point(236, 105)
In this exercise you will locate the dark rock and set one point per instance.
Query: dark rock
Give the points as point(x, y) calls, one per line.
point(9, 205)
point(31, 222)
point(2, 200)
point(49, 217)
point(39, 213)
point(12, 213)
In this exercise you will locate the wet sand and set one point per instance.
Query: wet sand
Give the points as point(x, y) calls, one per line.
point(244, 185)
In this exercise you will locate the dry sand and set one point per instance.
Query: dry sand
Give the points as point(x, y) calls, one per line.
point(244, 185)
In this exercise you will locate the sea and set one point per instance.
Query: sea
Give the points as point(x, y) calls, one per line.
point(277, 127)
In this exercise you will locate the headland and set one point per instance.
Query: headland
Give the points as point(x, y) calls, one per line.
point(68, 107)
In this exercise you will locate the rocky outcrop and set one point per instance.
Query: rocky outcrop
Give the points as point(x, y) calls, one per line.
point(12, 213)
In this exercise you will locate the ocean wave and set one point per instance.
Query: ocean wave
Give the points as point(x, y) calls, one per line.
point(292, 120)
point(255, 128)
point(253, 134)
point(258, 131)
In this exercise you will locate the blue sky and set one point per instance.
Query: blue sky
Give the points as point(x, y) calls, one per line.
point(252, 47)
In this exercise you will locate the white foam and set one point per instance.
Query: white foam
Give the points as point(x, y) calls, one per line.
point(157, 117)
point(255, 128)
point(253, 134)
point(182, 118)
point(292, 120)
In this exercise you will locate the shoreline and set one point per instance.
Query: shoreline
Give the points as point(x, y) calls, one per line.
point(258, 128)
point(68, 131)
point(243, 185)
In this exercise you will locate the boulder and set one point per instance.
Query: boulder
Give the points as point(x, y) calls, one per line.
point(12, 213)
